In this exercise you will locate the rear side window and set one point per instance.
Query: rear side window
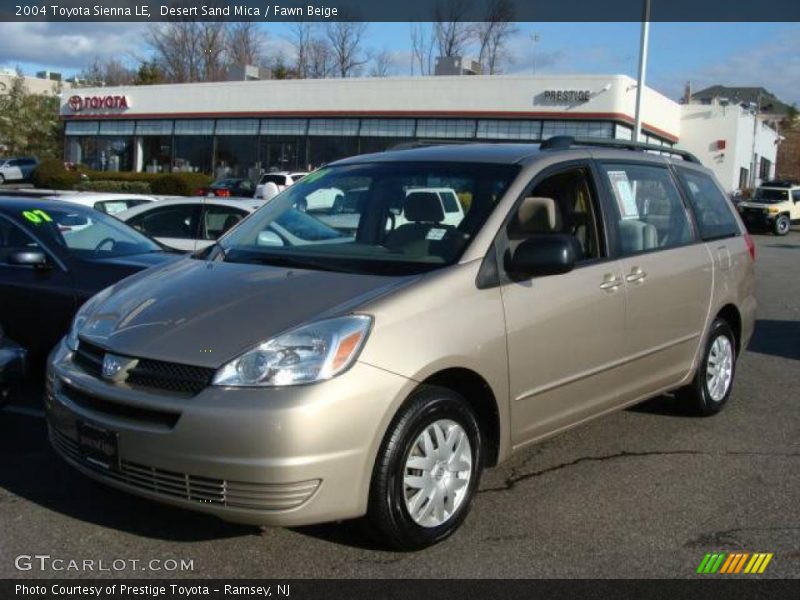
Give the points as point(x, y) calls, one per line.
point(711, 208)
point(112, 207)
point(450, 201)
point(168, 221)
point(650, 213)
point(796, 195)
point(276, 179)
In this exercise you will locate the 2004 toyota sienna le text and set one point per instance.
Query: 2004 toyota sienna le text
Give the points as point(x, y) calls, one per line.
point(377, 372)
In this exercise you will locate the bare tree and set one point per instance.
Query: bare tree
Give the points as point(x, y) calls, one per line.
point(422, 44)
point(345, 40)
point(451, 28)
point(493, 34)
point(212, 46)
point(382, 63)
point(176, 50)
point(320, 59)
point(107, 72)
point(245, 44)
point(301, 37)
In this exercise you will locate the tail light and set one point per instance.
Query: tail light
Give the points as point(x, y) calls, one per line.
point(751, 245)
point(222, 193)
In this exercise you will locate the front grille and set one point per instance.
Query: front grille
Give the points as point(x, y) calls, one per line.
point(172, 377)
point(201, 490)
point(148, 373)
point(90, 358)
point(118, 409)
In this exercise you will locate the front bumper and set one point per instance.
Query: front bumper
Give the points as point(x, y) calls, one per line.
point(756, 218)
point(280, 456)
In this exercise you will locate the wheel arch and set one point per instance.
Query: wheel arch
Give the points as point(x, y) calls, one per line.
point(731, 315)
point(481, 398)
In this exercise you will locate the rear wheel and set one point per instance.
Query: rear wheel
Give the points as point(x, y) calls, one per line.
point(426, 472)
point(709, 391)
point(782, 225)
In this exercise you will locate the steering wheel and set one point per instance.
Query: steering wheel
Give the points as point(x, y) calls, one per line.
point(103, 242)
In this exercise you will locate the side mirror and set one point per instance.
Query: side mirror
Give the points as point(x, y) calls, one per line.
point(541, 255)
point(269, 238)
point(29, 258)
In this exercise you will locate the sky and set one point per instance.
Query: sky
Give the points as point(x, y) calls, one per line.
point(739, 54)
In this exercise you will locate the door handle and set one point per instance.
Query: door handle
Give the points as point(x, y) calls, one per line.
point(610, 283)
point(636, 275)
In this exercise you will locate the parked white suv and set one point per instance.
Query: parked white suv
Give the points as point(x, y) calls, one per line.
point(775, 206)
point(281, 179)
point(453, 211)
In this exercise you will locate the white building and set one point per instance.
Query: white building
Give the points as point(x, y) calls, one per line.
point(34, 85)
point(738, 145)
point(242, 128)
point(246, 126)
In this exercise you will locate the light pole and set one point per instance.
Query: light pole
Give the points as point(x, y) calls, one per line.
point(535, 40)
point(637, 131)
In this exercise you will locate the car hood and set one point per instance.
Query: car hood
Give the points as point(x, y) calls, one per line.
point(207, 313)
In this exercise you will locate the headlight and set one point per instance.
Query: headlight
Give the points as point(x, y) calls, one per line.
point(773, 210)
point(310, 353)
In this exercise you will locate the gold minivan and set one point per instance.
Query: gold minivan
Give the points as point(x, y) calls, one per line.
point(375, 362)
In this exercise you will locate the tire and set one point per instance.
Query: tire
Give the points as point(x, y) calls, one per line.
point(2, 179)
point(389, 517)
point(701, 397)
point(782, 225)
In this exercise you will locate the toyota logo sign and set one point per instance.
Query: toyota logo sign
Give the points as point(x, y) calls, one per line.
point(107, 103)
point(75, 103)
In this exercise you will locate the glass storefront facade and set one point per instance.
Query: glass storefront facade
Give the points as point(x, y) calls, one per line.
point(245, 147)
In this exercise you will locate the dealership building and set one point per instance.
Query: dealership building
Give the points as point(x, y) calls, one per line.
point(242, 128)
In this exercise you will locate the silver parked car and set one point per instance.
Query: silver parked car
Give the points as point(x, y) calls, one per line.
point(378, 372)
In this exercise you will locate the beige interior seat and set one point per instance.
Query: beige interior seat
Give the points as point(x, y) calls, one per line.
point(637, 236)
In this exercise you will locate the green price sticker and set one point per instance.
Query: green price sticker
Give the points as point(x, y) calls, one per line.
point(37, 216)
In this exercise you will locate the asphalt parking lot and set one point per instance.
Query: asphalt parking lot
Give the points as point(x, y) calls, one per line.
point(643, 493)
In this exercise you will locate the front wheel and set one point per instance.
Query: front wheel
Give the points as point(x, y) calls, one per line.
point(427, 470)
point(782, 225)
point(712, 384)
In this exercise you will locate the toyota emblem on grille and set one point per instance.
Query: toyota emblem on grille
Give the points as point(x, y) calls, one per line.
point(116, 367)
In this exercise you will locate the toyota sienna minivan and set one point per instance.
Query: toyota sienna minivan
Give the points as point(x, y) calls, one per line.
point(375, 372)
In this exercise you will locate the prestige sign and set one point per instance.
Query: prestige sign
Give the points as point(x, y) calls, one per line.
point(565, 96)
point(80, 103)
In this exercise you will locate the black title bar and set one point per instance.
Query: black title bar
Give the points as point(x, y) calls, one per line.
point(395, 10)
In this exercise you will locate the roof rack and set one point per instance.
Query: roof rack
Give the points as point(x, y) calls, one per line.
point(563, 142)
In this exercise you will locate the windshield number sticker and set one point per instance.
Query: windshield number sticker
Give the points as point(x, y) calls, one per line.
point(37, 216)
point(435, 234)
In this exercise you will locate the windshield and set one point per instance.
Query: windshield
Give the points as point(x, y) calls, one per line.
point(379, 218)
point(771, 196)
point(87, 233)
